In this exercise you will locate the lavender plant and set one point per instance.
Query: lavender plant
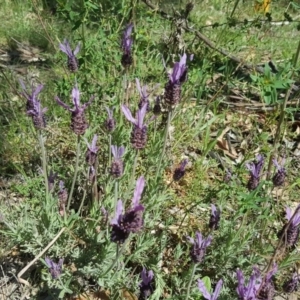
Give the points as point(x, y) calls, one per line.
point(127, 41)
point(206, 294)
point(146, 286)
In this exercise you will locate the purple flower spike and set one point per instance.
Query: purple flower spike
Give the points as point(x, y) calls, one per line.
point(143, 95)
point(267, 289)
point(146, 286)
point(91, 153)
point(248, 292)
point(110, 122)
point(176, 78)
point(292, 284)
point(33, 106)
point(206, 294)
point(127, 41)
point(279, 177)
point(255, 170)
point(132, 220)
point(214, 218)
point(117, 163)
point(199, 247)
point(292, 233)
point(72, 60)
point(118, 233)
point(78, 121)
point(54, 269)
point(180, 171)
point(139, 132)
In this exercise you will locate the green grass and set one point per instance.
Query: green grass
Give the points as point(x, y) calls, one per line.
point(250, 220)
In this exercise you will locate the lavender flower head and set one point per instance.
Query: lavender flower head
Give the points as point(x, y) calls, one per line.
point(72, 59)
point(91, 153)
point(78, 121)
point(248, 292)
point(267, 289)
point(132, 220)
point(279, 177)
point(176, 78)
point(127, 41)
point(180, 171)
point(143, 95)
point(292, 233)
point(255, 170)
point(214, 218)
point(55, 269)
point(206, 294)
point(33, 106)
point(117, 163)
point(139, 132)
point(146, 286)
point(31, 97)
point(292, 284)
point(110, 122)
point(199, 247)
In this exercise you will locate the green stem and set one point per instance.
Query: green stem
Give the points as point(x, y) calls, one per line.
point(131, 182)
point(190, 283)
point(84, 193)
point(282, 114)
point(118, 254)
point(44, 162)
point(116, 193)
point(75, 173)
point(165, 143)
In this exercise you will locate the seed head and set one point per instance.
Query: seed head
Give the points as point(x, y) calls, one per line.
point(214, 218)
point(279, 177)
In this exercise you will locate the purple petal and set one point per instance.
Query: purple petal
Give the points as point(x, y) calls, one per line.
point(203, 289)
point(138, 86)
point(207, 241)
point(65, 47)
point(49, 262)
point(191, 240)
point(217, 291)
point(94, 142)
point(109, 112)
point(288, 213)
point(65, 106)
point(118, 213)
point(128, 115)
point(140, 115)
point(77, 49)
point(140, 184)
point(147, 276)
point(114, 151)
point(85, 105)
point(76, 97)
point(121, 151)
point(213, 209)
point(199, 239)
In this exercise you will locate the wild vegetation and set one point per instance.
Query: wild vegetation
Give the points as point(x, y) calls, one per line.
point(149, 149)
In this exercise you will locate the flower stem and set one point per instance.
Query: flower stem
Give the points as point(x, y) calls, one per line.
point(116, 193)
point(190, 283)
point(165, 143)
point(131, 182)
point(44, 161)
point(118, 254)
point(75, 173)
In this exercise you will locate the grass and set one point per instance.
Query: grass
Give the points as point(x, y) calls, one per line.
point(209, 127)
